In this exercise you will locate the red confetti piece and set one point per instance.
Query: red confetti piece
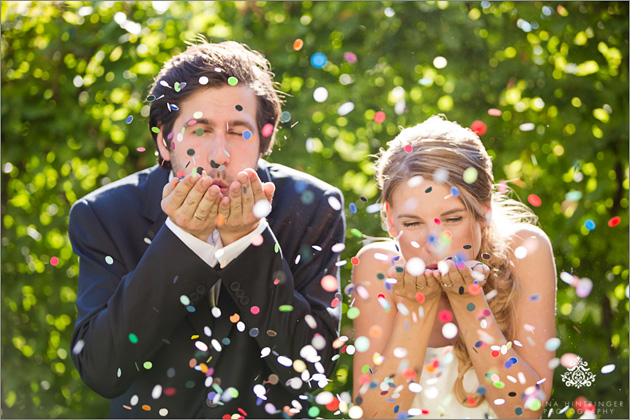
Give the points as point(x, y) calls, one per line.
point(192, 122)
point(267, 130)
point(255, 310)
point(614, 221)
point(141, 149)
point(479, 127)
point(408, 148)
point(276, 281)
point(420, 297)
point(226, 416)
point(243, 412)
point(334, 303)
point(257, 240)
point(495, 353)
point(534, 200)
point(379, 117)
point(54, 261)
point(493, 112)
point(333, 405)
point(445, 316)
point(437, 221)
point(169, 391)
point(354, 261)
point(474, 289)
point(409, 374)
point(298, 44)
point(181, 174)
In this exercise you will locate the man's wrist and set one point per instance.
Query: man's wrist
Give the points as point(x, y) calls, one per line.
point(230, 237)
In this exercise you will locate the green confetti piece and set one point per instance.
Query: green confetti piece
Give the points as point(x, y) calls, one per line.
point(365, 369)
point(499, 384)
point(275, 248)
point(313, 412)
point(155, 130)
point(232, 81)
point(118, 372)
point(199, 131)
point(133, 338)
point(285, 308)
point(353, 313)
point(147, 365)
point(176, 86)
point(356, 232)
point(137, 368)
point(470, 175)
point(535, 404)
point(217, 388)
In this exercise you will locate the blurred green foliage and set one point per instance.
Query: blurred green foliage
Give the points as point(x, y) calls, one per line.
point(72, 72)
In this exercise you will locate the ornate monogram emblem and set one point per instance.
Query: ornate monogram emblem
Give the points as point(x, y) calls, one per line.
point(579, 375)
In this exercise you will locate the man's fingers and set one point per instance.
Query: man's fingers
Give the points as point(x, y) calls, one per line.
point(208, 200)
point(224, 211)
point(269, 189)
point(247, 196)
point(196, 194)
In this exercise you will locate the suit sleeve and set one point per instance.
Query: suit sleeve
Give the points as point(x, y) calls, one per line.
point(292, 307)
point(126, 313)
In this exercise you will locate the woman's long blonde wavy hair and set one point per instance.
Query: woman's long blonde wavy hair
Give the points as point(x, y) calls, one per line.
point(439, 144)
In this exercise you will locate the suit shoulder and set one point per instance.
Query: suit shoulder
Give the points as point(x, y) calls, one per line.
point(121, 193)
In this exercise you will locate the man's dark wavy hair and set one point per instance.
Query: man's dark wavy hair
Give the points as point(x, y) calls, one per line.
point(218, 62)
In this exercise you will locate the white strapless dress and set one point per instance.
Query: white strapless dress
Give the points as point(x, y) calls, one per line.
point(437, 399)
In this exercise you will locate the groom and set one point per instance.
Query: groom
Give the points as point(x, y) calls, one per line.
point(207, 283)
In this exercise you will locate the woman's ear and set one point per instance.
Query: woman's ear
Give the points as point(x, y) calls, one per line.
point(389, 219)
point(487, 214)
point(161, 145)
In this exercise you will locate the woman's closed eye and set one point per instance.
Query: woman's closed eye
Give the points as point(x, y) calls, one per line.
point(410, 224)
point(454, 219)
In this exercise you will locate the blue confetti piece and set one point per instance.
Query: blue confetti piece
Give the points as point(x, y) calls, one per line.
point(589, 224)
point(353, 208)
point(319, 60)
point(247, 134)
point(129, 119)
point(454, 192)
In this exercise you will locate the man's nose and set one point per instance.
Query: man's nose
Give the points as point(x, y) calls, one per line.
point(218, 154)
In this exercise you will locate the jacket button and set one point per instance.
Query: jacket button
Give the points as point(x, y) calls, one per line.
point(194, 297)
point(235, 286)
point(244, 300)
point(240, 293)
point(200, 289)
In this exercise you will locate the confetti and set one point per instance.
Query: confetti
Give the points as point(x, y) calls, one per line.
point(247, 134)
point(109, 260)
point(408, 148)
point(614, 221)
point(439, 62)
point(203, 80)
point(354, 261)
point(320, 94)
point(445, 316)
point(527, 126)
point(493, 112)
point(285, 308)
point(534, 200)
point(334, 203)
point(584, 287)
point(232, 81)
point(379, 117)
point(133, 338)
point(589, 224)
point(573, 196)
point(329, 283)
point(470, 175)
point(261, 208)
point(129, 119)
point(449, 330)
point(318, 60)
point(267, 130)
point(608, 369)
point(338, 248)
point(297, 46)
point(350, 57)
point(345, 108)
point(479, 127)
point(415, 266)
point(353, 207)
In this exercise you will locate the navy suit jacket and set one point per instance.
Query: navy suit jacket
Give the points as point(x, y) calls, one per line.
point(145, 335)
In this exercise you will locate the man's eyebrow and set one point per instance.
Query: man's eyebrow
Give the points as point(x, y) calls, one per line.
point(235, 123)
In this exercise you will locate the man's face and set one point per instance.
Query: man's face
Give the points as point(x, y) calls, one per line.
point(216, 130)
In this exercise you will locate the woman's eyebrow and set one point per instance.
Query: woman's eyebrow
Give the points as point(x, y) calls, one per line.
point(446, 213)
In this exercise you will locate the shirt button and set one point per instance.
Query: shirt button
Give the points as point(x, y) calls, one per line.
point(235, 286)
point(200, 289)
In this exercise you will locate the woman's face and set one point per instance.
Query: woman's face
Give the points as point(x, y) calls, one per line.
point(431, 223)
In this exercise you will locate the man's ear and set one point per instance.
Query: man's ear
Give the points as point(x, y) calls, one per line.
point(162, 146)
point(389, 219)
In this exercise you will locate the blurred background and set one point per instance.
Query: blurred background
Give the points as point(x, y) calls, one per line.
point(545, 84)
